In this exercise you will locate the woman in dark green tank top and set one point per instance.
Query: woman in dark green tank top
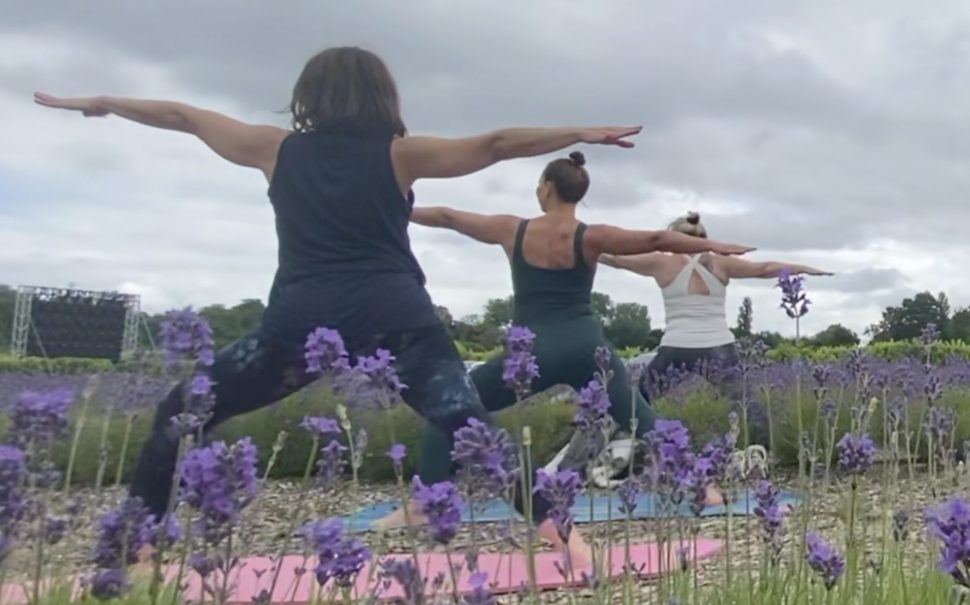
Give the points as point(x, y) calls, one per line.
point(553, 259)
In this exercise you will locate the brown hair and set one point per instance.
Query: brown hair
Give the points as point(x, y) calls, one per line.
point(690, 224)
point(568, 176)
point(347, 89)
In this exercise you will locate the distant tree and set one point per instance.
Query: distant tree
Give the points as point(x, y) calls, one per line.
point(960, 325)
point(745, 318)
point(230, 324)
point(446, 318)
point(8, 297)
point(908, 319)
point(498, 312)
point(603, 306)
point(772, 339)
point(630, 326)
point(834, 336)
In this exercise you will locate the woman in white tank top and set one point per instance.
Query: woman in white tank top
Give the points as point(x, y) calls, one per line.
point(697, 338)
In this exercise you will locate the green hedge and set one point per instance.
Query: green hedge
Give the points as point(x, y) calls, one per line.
point(784, 352)
point(550, 422)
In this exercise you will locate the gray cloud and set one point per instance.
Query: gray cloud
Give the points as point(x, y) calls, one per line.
point(810, 129)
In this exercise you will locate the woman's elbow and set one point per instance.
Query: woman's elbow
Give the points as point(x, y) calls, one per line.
point(497, 147)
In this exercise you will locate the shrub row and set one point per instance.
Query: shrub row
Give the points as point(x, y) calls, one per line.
point(784, 352)
point(549, 418)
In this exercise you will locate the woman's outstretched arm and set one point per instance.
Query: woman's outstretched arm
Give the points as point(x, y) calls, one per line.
point(605, 239)
point(645, 264)
point(253, 146)
point(488, 229)
point(737, 268)
point(430, 157)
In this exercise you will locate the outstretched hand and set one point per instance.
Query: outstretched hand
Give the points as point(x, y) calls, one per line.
point(611, 135)
point(90, 107)
point(819, 272)
point(730, 249)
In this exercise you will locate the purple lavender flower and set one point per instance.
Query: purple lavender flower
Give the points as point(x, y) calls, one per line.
point(332, 462)
point(372, 381)
point(950, 524)
point(856, 453)
point(717, 453)
point(199, 402)
point(519, 339)
point(397, 453)
point(793, 299)
point(519, 368)
point(929, 335)
point(824, 560)
point(442, 503)
point(940, 423)
point(408, 577)
point(320, 426)
point(770, 514)
point(380, 370)
point(629, 492)
point(933, 387)
point(486, 457)
point(38, 419)
point(594, 407)
point(341, 557)
point(203, 565)
point(821, 374)
point(187, 335)
point(108, 584)
point(560, 491)
point(694, 484)
point(219, 481)
point(122, 533)
point(669, 447)
point(13, 473)
point(325, 352)
point(481, 593)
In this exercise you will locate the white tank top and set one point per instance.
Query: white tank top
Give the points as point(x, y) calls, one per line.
point(695, 321)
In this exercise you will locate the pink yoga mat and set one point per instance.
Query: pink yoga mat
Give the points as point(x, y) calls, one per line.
point(506, 573)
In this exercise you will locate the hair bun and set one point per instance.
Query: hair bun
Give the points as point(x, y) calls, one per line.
point(693, 218)
point(578, 158)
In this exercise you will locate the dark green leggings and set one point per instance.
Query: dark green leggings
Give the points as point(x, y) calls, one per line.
point(564, 352)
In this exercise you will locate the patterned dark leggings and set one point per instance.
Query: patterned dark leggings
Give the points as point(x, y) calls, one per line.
point(255, 371)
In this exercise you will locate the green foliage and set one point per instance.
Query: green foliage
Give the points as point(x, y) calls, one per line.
point(630, 327)
point(745, 319)
point(60, 365)
point(835, 335)
point(906, 321)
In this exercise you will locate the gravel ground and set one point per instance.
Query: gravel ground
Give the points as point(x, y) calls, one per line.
point(271, 517)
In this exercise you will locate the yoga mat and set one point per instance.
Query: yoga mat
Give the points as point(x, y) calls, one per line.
point(506, 573)
point(296, 583)
point(647, 508)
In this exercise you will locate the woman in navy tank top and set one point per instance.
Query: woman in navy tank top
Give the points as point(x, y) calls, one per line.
point(340, 183)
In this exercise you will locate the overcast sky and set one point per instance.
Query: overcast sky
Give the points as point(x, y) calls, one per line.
point(831, 133)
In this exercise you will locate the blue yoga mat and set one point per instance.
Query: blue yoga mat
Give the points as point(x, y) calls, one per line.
point(500, 510)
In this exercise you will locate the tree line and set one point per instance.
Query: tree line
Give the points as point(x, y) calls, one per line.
point(627, 324)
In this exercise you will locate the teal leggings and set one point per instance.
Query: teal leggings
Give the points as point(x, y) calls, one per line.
point(564, 352)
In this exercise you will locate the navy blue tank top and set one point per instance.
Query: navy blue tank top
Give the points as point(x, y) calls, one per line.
point(345, 258)
point(551, 295)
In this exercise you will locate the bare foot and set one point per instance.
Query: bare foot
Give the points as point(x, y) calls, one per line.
point(714, 496)
point(398, 518)
point(580, 555)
